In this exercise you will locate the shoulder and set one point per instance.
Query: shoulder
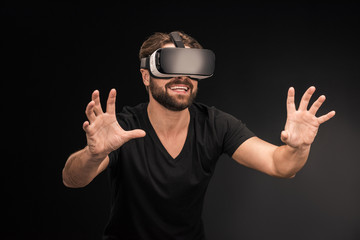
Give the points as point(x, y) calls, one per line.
point(228, 131)
point(130, 117)
point(223, 123)
point(128, 111)
point(204, 112)
point(219, 122)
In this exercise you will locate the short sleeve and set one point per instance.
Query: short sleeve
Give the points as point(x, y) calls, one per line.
point(234, 134)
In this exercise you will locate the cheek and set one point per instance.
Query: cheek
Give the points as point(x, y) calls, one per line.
point(158, 83)
point(195, 84)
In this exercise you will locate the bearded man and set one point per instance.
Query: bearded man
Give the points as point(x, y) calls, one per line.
point(162, 154)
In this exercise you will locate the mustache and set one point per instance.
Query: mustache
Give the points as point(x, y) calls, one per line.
point(185, 81)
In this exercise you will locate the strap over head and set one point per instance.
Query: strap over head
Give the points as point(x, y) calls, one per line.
point(177, 40)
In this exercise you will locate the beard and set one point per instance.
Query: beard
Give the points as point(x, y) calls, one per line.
point(174, 103)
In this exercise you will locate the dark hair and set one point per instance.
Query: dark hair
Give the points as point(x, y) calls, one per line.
point(159, 39)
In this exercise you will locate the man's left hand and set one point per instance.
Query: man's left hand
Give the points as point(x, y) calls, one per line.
point(302, 125)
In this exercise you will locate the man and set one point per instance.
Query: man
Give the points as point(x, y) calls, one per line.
point(162, 154)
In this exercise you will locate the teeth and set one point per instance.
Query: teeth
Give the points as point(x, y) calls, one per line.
point(179, 88)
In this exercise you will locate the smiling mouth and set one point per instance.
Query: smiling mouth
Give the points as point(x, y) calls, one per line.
point(179, 89)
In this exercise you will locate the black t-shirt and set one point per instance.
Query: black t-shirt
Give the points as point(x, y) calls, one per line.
point(157, 197)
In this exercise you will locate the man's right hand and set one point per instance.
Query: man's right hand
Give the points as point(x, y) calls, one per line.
point(103, 132)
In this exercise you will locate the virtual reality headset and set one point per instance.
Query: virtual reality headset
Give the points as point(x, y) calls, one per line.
point(180, 61)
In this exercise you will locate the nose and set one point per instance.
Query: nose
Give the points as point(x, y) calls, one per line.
point(182, 78)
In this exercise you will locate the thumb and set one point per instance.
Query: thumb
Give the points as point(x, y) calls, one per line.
point(284, 136)
point(137, 133)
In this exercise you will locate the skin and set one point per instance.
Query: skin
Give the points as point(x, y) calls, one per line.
point(104, 134)
point(299, 133)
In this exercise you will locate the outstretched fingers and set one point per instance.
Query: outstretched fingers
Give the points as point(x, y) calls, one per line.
point(136, 133)
point(89, 111)
point(92, 110)
point(290, 102)
point(326, 117)
point(97, 107)
point(306, 98)
point(317, 104)
point(110, 105)
point(86, 125)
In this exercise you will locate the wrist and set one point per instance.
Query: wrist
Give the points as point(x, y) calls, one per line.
point(298, 149)
point(94, 157)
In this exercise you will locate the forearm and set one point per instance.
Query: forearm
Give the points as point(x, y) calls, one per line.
point(80, 169)
point(288, 160)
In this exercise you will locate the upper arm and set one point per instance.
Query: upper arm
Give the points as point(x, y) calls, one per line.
point(257, 154)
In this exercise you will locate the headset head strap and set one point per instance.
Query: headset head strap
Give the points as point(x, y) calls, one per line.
point(177, 40)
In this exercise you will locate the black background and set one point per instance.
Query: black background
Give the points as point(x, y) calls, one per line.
point(55, 55)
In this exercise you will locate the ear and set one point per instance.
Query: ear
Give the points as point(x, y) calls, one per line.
point(145, 76)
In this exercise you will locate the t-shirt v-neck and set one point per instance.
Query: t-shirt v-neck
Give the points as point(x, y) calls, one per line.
point(158, 142)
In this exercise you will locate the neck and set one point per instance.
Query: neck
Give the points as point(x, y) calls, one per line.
point(165, 121)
